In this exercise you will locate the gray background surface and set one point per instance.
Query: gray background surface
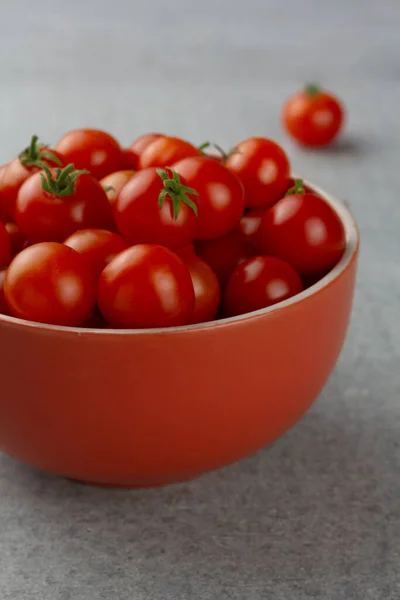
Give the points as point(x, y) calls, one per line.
point(317, 515)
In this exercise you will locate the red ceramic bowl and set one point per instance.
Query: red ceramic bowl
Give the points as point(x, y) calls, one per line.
point(149, 407)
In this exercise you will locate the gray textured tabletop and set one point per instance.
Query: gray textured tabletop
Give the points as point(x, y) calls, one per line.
point(316, 515)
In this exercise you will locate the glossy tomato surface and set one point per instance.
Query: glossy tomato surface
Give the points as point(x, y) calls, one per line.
point(165, 151)
point(44, 216)
point(138, 146)
point(50, 283)
point(305, 231)
point(140, 219)
point(92, 149)
point(263, 168)
point(18, 240)
point(146, 286)
point(206, 290)
point(259, 282)
point(220, 198)
point(313, 117)
point(112, 184)
point(14, 174)
point(97, 246)
point(224, 254)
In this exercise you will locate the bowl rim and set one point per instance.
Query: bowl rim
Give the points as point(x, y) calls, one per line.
point(352, 244)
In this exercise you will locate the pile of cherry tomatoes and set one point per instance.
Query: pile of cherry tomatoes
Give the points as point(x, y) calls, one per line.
point(162, 233)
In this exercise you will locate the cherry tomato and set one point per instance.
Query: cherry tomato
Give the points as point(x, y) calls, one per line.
point(14, 173)
point(138, 146)
point(97, 246)
point(5, 246)
point(140, 218)
point(51, 206)
point(224, 254)
point(206, 290)
point(17, 238)
point(259, 282)
point(115, 182)
point(249, 225)
point(263, 168)
point(146, 286)
point(221, 197)
point(303, 230)
point(4, 310)
point(50, 283)
point(312, 116)
point(165, 151)
point(92, 149)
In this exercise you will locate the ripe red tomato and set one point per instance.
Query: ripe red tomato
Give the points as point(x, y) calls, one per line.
point(51, 206)
point(14, 173)
point(5, 246)
point(186, 252)
point(92, 149)
point(221, 197)
point(303, 230)
point(206, 290)
point(312, 116)
point(112, 184)
point(249, 225)
point(259, 282)
point(50, 283)
point(165, 151)
point(138, 146)
point(146, 286)
point(97, 246)
point(263, 168)
point(17, 238)
point(224, 254)
point(141, 219)
point(4, 310)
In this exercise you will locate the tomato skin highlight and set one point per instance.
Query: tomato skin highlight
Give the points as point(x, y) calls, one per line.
point(258, 283)
point(165, 151)
point(146, 286)
point(116, 181)
point(140, 220)
point(303, 230)
point(45, 217)
point(224, 254)
point(138, 146)
point(221, 197)
point(5, 246)
point(97, 246)
point(92, 149)
point(206, 287)
point(50, 283)
point(263, 168)
point(313, 117)
point(249, 225)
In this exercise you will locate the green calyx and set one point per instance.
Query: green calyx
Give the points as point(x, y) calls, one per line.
point(36, 154)
point(61, 183)
point(312, 89)
point(176, 191)
point(224, 155)
point(298, 188)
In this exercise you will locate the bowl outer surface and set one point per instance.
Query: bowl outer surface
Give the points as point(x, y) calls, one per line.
point(140, 409)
